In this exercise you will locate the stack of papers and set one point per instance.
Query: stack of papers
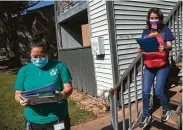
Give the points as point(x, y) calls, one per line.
point(148, 44)
point(45, 94)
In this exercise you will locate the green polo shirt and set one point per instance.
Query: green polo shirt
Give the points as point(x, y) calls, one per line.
point(30, 77)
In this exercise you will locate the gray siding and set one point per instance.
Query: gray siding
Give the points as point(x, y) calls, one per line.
point(99, 27)
point(175, 32)
point(130, 20)
point(80, 64)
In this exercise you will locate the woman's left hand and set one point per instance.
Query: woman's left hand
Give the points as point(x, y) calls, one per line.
point(161, 48)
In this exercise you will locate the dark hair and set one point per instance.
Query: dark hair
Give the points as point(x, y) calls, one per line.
point(160, 15)
point(39, 40)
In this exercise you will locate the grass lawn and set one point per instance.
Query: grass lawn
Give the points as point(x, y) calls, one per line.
point(11, 113)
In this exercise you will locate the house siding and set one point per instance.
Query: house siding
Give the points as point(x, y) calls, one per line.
point(99, 27)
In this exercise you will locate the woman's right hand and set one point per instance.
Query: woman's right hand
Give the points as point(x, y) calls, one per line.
point(24, 102)
point(18, 97)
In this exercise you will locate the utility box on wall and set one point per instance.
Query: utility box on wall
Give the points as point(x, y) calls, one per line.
point(98, 46)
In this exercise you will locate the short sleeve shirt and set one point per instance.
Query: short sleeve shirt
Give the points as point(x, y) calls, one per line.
point(165, 33)
point(30, 77)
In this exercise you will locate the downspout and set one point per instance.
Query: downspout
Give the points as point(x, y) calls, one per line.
point(88, 13)
point(57, 29)
point(112, 40)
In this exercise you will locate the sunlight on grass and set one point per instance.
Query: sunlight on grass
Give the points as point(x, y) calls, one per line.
point(78, 115)
point(11, 113)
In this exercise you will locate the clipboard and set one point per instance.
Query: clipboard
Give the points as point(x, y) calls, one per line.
point(148, 44)
point(45, 94)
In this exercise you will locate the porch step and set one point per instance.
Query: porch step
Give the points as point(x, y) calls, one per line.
point(176, 96)
point(176, 70)
point(180, 73)
point(172, 122)
point(176, 99)
point(151, 128)
point(175, 80)
point(176, 89)
point(154, 125)
point(179, 65)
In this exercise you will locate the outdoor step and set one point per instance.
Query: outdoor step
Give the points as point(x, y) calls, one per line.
point(151, 128)
point(180, 73)
point(176, 99)
point(175, 80)
point(175, 70)
point(154, 125)
point(176, 89)
point(172, 122)
point(179, 65)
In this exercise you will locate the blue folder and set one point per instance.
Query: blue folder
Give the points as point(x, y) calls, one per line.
point(45, 94)
point(148, 44)
point(45, 89)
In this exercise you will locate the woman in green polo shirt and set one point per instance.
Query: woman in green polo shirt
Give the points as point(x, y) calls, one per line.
point(40, 72)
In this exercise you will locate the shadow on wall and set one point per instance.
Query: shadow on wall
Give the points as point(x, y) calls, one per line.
point(41, 20)
point(71, 30)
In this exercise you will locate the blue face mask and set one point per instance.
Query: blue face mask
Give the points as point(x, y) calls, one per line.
point(39, 62)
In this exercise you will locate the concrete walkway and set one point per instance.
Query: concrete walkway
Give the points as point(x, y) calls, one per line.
point(104, 123)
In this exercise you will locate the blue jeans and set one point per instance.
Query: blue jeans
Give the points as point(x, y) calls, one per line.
point(148, 78)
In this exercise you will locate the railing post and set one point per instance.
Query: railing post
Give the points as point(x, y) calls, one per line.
point(152, 96)
point(181, 23)
point(178, 29)
point(169, 24)
point(179, 122)
point(129, 100)
point(136, 94)
point(113, 107)
point(142, 69)
point(123, 108)
point(175, 34)
point(179, 116)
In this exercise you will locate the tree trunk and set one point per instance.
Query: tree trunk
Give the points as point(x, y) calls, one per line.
point(15, 60)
